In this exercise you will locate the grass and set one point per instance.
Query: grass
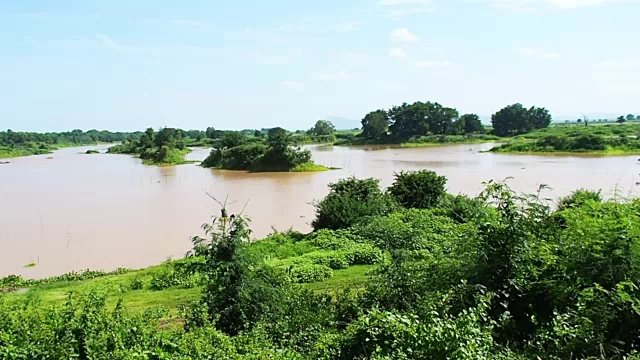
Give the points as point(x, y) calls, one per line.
point(354, 277)
point(6, 153)
point(173, 157)
point(172, 299)
point(309, 167)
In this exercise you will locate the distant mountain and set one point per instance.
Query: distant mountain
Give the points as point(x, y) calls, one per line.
point(343, 123)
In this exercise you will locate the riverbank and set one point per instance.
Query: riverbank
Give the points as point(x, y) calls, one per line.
point(423, 141)
point(148, 288)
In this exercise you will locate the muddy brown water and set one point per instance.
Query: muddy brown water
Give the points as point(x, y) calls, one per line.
point(78, 211)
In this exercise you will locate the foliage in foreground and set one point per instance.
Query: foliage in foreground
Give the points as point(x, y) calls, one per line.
point(500, 276)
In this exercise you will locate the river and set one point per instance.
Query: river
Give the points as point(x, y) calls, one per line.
point(75, 211)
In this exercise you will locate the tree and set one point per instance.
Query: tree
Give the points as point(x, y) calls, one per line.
point(630, 117)
point(375, 124)
point(323, 128)
point(516, 119)
point(621, 119)
point(349, 200)
point(278, 139)
point(211, 133)
point(232, 139)
point(418, 189)
point(579, 121)
point(468, 124)
point(419, 119)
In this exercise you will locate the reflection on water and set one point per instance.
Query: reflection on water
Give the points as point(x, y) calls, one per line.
point(102, 211)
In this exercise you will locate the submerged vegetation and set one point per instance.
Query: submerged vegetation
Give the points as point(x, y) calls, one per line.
point(236, 151)
point(409, 272)
point(165, 147)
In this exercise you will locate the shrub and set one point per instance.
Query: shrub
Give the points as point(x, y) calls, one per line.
point(364, 254)
point(335, 260)
point(310, 273)
point(350, 200)
point(421, 189)
point(242, 157)
point(579, 198)
point(461, 208)
point(334, 239)
point(136, 283)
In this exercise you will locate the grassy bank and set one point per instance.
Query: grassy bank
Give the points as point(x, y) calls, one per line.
point(422, 141)
point(6, 152)
point(309, 167)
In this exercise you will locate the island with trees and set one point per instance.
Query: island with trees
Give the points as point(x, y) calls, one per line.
point(407, 272)
point(236, 151)
point(165, 147)
point(418, 124)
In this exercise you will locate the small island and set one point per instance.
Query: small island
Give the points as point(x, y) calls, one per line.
point(165, 147)
point(276, 153)
point(92, 152)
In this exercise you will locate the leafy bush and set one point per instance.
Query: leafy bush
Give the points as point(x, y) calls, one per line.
point(335, 260)
point(136, 283)
point(421, 189)
point(363, 254)
point(350, 200)
point(183, 273)
point(462, 209)
point(306, 273)
point(579, 198)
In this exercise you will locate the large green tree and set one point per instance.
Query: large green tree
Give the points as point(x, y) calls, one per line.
point(419, 119)
point(375, 124)
point(278, 139)
point(323, 128)
point(630, 117)
point(467, 124)
point(516, 119)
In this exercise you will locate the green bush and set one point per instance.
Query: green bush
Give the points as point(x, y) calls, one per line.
point(421, 189)
point(579, 198)
point(136, 283)
point(310, 273)
point(335, 260)
point(363, 254)
point(349, 200)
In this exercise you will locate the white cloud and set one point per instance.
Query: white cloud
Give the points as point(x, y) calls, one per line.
point(330, 76)
point(397, 53)
point(293, 85)
point(538, 52)
point(402, 35)
point(432, 64)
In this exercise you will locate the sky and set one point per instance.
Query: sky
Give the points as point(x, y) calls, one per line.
point(128, 65)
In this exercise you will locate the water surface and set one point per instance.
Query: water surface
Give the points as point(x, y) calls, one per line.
point(78, 211)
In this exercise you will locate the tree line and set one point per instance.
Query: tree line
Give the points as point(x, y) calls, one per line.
point(11, 138)
point(407, 121)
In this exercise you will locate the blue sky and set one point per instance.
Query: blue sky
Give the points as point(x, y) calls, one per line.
point(128, 65)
